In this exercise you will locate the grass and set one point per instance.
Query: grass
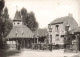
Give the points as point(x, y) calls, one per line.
point(5, 53)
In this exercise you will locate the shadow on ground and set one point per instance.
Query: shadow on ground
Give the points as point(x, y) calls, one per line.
point(76, 56)
point(6, 53)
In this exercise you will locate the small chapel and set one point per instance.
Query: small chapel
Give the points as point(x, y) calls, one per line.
point(20, 36)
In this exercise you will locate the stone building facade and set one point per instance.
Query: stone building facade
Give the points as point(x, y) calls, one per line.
point(57, 29)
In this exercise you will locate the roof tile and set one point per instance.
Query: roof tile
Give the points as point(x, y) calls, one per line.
point(22, 31)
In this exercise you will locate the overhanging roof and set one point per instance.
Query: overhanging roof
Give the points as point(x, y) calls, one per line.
point(20, 31)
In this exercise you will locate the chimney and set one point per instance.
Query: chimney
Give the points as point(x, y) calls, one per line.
point(70, 15)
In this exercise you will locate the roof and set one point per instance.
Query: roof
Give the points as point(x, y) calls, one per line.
point(41, 32)
point(61, 19)
point(22, 31)
point(75, 30)
point(66, 20)
point(58, 20)
point(17, 16)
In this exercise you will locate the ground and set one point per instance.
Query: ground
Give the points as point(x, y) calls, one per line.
point(7, 53)
point(40, 53)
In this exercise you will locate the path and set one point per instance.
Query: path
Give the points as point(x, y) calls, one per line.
point(36, 53)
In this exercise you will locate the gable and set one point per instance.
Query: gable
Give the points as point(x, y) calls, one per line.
point(71, 22)
point(67, 20)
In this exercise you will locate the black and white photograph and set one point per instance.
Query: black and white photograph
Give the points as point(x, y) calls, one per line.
point(39, 28)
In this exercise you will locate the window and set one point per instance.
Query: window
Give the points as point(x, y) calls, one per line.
point(57, 37)
point(57, 27)
point(18, 23)
point(16, 34)
point(50, 29)
point(14, 42)
point(62, 35)
point(14, 23)
point(22, 33)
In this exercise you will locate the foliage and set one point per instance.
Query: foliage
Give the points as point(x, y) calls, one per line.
point(23, 11)
point(5, 26)
point(1, 5)
point(29, 19)
point(5, 13)
point(1, 23)
point(7, 22)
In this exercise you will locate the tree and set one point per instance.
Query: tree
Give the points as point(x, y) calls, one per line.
point(1, 5)
point(1, 18)
point(29, 19)
point(7, 22)
point(24, 15)
point(5, 13)
point(5, 26)
point(23, 11)
point(8, 27)
point(33, 25)
point(1, 23)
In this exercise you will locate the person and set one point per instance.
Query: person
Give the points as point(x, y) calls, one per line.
point(50, 47)
point(18, 46)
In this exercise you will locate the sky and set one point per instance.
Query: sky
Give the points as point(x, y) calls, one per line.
point(45, 10)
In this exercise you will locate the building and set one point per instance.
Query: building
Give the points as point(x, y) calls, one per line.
point(42, 38)
point(58, 28)
point(20, 36)
point(76, 39)
point(41, 34)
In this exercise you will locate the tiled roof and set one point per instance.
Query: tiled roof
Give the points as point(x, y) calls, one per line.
point(66, 20)
point(20, 31)
point(58, 20)
point(77, 29)
point(17, 16)
point(41, 32)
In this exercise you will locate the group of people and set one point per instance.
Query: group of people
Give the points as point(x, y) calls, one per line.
point(37, 46)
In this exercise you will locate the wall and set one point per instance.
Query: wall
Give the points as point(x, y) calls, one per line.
point(56, 34)
point(11, 44)
point(17, 23)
